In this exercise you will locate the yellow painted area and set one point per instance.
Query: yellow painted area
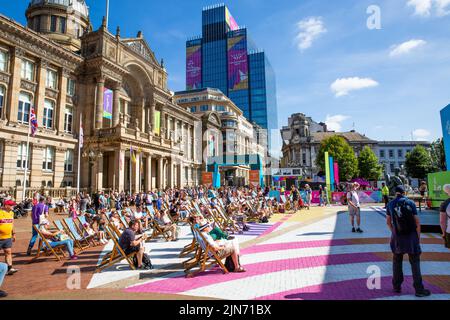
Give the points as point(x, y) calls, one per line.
point(305, 215)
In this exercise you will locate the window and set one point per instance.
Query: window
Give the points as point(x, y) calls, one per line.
point(70, 87)
point(51, 80)
point(392, 166)
point(204, 108)
point(23, 115)
point(382, 154)
point(62, 25)
point(193, 109)
point(2, 100)
point(68, 161)
point(47, 163)
point(3, 61)
point(400, 153)
point(391, 154)
point(220, 108)
point(49, 107)
point(68, 119)
point(53, 22)
point(27, 71)
point(22, 156)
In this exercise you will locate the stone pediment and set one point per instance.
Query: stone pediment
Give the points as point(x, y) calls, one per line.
point(141, 47)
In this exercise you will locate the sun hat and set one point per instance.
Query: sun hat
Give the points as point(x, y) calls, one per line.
point(9, 203)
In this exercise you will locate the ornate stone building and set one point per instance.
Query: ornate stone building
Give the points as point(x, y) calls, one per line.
point(301, 141)
point(66, 70)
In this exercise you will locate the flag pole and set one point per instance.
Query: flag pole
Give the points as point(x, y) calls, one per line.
point(131, 167)
point(26, 160)
point(79, 155)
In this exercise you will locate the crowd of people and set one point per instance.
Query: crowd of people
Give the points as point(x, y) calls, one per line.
point(127, 212)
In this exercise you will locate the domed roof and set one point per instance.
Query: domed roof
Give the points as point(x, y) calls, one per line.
point(77, 5)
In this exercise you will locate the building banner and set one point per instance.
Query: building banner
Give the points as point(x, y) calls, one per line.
point(445, 119)
point(157, 124)
point(107, 103)
point(365, 197)
point(327, 170)
point(207, 179)
point(237, 63)
point(230, 20)
point(194, 67)
point(255, 177)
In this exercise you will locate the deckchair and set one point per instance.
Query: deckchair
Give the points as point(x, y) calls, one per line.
point(80, 241)
point(208, 257)
point(81, 223)
point(157, 229)
point(227, 220)
point(116, 255)
point(44, 245)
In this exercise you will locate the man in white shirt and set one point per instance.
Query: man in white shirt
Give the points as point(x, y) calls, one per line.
point(354, 207)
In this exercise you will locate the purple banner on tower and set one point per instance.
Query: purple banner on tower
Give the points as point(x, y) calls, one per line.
point(107, 103)
point(194, 67)
point(237, 63)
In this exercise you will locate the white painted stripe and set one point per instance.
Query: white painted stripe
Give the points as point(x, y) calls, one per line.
point(271, 283)
point(322, 251)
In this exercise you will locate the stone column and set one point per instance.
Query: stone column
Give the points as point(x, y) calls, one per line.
point(10, 164)
point(163, 123)
point(161, 173)
point(119, 170)
point(148, 174)
point(137, 174)
point(58, 170)
point(39, 98)
point(99, 104)
point(152, 116)
point(182, 178)
point(98, 173)
point(116, 106)
point(14, 85)
point(61, 107)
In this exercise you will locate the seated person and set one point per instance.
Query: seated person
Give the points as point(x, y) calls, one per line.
point(98, 225)
point(115, 219)
point(216, 233)
point(130, 242)
point(223, 248)
point(61, 205)
point(56, 239)
point(166, 225)
point(175, 211)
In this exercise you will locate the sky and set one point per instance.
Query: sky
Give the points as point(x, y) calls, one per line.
point(335, 61)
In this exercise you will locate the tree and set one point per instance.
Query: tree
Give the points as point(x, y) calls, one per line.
point(342, 153)
point(368, 165)
point(418, 163)
point(438, 156)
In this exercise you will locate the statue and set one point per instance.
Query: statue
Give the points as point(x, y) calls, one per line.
point(394, 181)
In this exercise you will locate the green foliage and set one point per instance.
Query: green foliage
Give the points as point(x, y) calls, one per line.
point(418, 163)
point(438, 156)
point(342, 153)
point(368, 165)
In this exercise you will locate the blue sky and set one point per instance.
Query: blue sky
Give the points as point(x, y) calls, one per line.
point(389, 84)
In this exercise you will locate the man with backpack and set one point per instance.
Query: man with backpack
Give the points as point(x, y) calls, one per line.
point(404, 223)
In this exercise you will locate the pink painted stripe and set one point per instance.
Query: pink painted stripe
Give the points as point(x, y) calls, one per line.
point(276, 226)
point(348, 290)
point(295, 245)
point(182, 284)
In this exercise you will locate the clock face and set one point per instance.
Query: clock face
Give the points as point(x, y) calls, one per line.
point(296, 139)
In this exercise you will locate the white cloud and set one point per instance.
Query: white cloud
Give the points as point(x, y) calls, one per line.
point(342, 87)
point(425, 8)
point(309, 29)
point(334, 123)
point(421, 134)
point(406, 47)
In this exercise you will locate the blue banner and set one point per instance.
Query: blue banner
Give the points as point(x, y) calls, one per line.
point(445, 119)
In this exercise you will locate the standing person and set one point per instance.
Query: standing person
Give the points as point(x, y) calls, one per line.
point(445, 217)
point(385, 192)
point(354, 207)
point(295, 198)
point(3, 271)
point(326, 201)
point(38, 210)
point(321, 196)
point(308, 191)
point(7, 234)
point(404, 223)
point(423, 189)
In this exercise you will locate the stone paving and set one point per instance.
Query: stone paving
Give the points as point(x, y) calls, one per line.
point(312, 255)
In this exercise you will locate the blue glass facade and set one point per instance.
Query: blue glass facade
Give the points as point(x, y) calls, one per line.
point(257, 100)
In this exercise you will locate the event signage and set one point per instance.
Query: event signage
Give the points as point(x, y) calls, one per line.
point(107, 103)
point(194, 67)
point(237, 63)
point(436, 183)
point(207, 178)
point(445, 119)
point(255, 178)
point(157, 123)
point(232, 24)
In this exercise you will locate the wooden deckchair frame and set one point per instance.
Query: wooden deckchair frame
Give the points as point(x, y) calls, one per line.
point(78, 240)
point(85, 232)
point(157, 230)
point(45, 245)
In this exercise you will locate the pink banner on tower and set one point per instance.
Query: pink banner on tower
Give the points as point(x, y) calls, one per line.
point(336, 173)
point(237, 63)
point(194, 67)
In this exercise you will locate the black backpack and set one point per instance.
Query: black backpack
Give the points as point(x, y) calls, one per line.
point(229, 264)
point(146, 262)
point(404, 218)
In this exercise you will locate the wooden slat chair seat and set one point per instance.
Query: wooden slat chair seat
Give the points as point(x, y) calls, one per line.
point(61, 227)
point(209, 258)
point(228, 220)
point(116, 255)
point(81, 224)
point(44, 245)
point(80, 241)
point(157, 229)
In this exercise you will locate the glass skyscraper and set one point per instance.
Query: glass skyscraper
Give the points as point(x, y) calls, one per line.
point(224, 57)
